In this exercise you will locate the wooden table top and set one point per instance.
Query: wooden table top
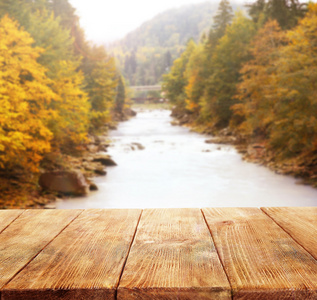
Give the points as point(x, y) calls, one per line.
point(189, 253)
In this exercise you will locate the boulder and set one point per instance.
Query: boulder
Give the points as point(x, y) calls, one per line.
point(100, 171)
point(256, 150)
point(64, 182)
point(92, 148)
point(139, 146)
point(221, 140)
point(129, 112)
point(104, 159)
point(93, 187)
point(175, 123)
point(103, 147)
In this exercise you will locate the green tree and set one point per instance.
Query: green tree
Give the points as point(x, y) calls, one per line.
point(220, 21)
point(175, 81)
point(70, 120)
point(285, 12)
point(229, 56)
point(195, 74)
point(121, 96)
point(100, 84)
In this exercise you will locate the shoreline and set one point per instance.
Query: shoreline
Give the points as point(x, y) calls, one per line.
point(27, 194)
point(23, 191)
point(255, 152)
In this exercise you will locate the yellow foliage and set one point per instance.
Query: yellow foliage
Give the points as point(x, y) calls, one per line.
point(24, 96)
point(70, 122)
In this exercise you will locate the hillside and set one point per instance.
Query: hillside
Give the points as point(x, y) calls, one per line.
point(148, 52)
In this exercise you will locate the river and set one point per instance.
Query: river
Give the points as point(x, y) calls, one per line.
point(178, 169)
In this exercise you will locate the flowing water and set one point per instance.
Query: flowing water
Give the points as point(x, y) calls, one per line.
point(178, 169)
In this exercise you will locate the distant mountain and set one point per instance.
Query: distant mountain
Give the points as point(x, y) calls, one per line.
point(148, 52)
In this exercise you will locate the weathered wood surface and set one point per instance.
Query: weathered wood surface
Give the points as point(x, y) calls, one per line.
point(27, 236)
point(84, 262)
point(86, 254)
point(7, 217)
point(173, 257)
point(261, 260)
point(299, 222)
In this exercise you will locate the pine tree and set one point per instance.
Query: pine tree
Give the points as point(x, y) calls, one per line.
point(222, 18)
point(285, 12)
point(220, 21)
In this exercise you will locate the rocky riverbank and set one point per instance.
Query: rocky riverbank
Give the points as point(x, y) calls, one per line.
point(61, 175)
point(66, 176)
point(302, 167)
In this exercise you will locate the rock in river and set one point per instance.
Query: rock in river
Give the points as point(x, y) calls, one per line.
point(139, 146)
point(104, 159)
point(65, 182)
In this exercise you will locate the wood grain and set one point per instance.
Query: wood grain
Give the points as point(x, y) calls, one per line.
point(8, 216)
point(261, 260)
point(173, 257)
point(299, 222)
point(84, 262)
point(27, 236)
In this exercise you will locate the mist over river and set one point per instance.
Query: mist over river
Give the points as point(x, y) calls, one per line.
point(177, 168)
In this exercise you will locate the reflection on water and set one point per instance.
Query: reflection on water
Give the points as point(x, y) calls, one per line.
point(177, 169)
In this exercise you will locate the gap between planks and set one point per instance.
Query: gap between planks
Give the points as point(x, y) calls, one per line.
point(18, 272)
point(216, 247)
point(136, 230)
point(126, 258)
point(311, 249)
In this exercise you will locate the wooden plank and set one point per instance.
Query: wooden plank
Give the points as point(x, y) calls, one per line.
point(27, 236)
point(261, 260)
point(173, 257)
point(8, 216)
point(299, 222)
point(84, 262)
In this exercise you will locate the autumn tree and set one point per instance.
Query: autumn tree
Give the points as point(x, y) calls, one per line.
point(70, 121)
point(257, 92)
point(70, 21)
point(24, 99)
point(294, 128)
point(195, 74)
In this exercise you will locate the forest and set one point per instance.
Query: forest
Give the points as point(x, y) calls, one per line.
point(254, 78)
point(250, 79)
point(57, 90)
point(148, 52)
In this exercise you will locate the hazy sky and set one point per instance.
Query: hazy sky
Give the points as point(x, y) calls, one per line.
point(105, 21)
